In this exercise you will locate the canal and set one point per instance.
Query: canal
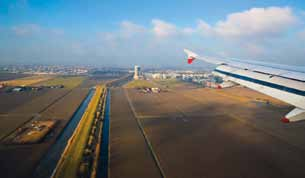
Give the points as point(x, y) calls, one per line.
point(49, 161)
point(104, 153)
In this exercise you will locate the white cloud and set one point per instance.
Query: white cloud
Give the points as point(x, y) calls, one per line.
point(26, 29)
point(204, 28)
point(163, 29)
point(188, 31)
point(129, 29)
point(255, 22)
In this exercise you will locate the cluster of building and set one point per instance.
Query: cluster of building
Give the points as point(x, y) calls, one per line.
point(46, 69)
point(204, 79)
point(28, 88)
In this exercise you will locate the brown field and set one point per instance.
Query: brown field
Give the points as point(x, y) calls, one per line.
point(67, 81)
point(26, 81)
point(174, 84)
point(129, 154)
point(12, 100)
point(56, 104)
point(12, 76)
point(140, 84)
point(16, 117)
point(210, 133)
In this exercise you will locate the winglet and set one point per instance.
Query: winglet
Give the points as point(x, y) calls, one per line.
point(191, 56)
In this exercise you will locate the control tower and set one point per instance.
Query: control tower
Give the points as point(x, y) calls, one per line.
point(137, 71)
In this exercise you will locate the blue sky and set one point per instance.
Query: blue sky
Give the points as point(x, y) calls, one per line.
point(152, 33)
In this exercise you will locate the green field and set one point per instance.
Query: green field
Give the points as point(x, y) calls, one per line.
point(140, 84)
point(68, 82)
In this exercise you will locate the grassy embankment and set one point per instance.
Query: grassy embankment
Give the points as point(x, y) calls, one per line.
point(26, 81)
point(140, 84)
point(69, 163)
point(68, 82)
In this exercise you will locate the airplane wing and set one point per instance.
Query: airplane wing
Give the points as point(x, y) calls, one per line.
point(286, 83)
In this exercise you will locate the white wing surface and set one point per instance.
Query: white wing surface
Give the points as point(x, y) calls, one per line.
point(286, 83)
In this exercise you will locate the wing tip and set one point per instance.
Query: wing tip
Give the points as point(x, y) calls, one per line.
point(190, 60)
point(191, 55)
point(285, 120)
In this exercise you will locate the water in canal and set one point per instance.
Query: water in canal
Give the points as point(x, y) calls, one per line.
point(49, 161)
point(103, 162)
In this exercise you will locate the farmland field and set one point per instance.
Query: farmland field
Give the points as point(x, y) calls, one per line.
point(26, 81)
point(197, 132)
point(11, 76)
point(140, 84)
point(33, 108)
point(47, 104)
point(12, 100)
point(129, 154)
point(67, 81)
point(61, 111)
point(174, 84)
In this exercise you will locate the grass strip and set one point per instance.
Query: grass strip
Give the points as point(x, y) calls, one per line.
point(68, 165)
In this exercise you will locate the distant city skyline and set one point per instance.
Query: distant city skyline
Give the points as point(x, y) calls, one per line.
point(124, 34)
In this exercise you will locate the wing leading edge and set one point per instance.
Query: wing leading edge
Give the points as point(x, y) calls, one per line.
point(285, 83)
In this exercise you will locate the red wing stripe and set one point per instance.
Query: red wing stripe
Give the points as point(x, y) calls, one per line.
point(190, 60)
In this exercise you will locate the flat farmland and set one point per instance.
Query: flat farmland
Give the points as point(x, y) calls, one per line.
point(174, 84)
point(11, 76)
point(23, 106)
point(12, 100)
point(129, 153)
point(55, 104)
point(68, 81)
point(140, 84)
point(61, 111)
point(64, 108)
point(221, 133)
point(28, 110)
point(26, 81)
